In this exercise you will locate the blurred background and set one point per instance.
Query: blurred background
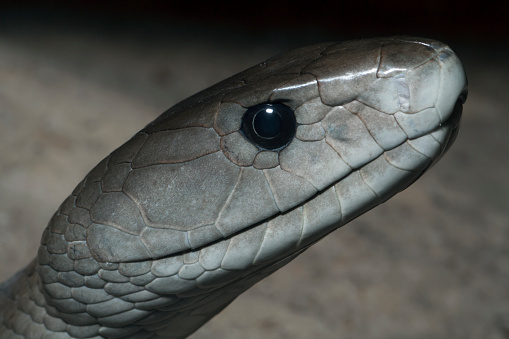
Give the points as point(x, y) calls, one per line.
point(77, 79)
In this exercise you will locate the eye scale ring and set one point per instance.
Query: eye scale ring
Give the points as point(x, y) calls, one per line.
point(269, 127)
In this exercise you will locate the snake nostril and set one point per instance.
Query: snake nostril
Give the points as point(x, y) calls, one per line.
point(269, 126)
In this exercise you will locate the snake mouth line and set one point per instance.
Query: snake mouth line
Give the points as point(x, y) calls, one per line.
point(452, 124)
point(454, 120)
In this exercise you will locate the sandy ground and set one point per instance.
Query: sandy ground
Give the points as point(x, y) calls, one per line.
point(431, 263)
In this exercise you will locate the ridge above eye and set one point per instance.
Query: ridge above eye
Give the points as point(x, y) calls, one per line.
point(269, 126)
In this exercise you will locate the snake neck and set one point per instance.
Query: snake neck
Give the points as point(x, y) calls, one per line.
point(23, 308)
point(29, 308)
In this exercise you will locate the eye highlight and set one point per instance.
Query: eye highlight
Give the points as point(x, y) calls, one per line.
point(269, 126)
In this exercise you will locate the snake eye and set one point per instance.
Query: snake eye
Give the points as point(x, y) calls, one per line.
point(269, 126)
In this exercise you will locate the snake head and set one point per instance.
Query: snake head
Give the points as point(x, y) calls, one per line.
point(369, 118)
point(229, 185)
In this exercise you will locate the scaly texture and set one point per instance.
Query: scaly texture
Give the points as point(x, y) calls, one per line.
point(169, 228)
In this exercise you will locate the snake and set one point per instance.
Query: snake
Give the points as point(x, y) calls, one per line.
point(231, 184)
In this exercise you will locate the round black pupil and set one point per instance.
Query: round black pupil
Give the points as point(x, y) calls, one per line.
point(269, 126)
point(267, 123)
